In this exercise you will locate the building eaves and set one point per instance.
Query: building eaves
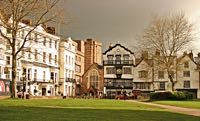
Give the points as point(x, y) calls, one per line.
point(116, 46)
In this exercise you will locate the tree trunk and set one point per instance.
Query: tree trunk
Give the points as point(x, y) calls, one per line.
point(172, 81)
point(14, 73)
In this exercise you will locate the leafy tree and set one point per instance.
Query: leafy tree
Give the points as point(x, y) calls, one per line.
point(13, 12)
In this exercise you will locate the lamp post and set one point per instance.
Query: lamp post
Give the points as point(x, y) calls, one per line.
point(23, 79)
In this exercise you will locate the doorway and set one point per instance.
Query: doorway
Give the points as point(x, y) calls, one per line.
point(43, 91)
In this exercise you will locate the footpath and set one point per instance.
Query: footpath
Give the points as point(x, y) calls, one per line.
point(188, 111)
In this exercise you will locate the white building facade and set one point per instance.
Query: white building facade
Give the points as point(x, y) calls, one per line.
point(37, 63)
point(67, 54)
point(150, 76)
point(40, 64)
point(188, 75)
point(118, 64)
point(143, 75)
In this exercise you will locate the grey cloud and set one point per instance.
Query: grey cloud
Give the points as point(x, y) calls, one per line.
point(119, 20)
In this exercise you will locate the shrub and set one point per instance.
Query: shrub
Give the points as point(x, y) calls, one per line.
point(189, 95)
point(178, 95)
point(160, 95)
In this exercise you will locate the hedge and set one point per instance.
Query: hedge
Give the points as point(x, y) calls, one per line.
point(177, 95)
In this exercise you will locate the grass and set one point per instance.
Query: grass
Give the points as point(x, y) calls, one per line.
point(84, 110)
point(186, 104)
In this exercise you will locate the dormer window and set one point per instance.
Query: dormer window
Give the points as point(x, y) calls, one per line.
point(186, 65)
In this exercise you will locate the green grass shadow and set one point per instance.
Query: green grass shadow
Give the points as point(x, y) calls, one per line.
point(16, 113)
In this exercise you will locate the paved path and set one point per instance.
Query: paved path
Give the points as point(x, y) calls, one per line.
point(188, 111)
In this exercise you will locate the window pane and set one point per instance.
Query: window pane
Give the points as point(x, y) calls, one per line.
point(186, 65)
point(162, 85)
point(110, 70)
point(127, 70)
point(186, 84)
point(161, 74)
point(186, 73)
point(94, 79)
point(143, 74)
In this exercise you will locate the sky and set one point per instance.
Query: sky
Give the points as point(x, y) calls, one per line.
point(120, 21)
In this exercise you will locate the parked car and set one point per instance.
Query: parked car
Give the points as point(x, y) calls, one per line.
point(121, 96)
point(124, 97)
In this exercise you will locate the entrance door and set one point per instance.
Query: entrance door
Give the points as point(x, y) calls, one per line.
point(43, 91)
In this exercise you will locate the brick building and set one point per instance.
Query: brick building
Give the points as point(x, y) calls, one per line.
point(93, 52)
point(93, 77)
point(93, 80)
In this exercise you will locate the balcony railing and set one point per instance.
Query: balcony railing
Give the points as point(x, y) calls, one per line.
point(118, 62)
point(118, 84)
point(70, 80)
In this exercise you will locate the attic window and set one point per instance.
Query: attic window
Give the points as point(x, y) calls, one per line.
point(186, 65)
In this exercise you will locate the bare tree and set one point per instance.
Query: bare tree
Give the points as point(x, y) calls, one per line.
point(167, 36)
point(13, 12)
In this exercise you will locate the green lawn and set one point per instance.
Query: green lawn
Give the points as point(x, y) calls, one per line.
point(187, 104)
point(84, 110)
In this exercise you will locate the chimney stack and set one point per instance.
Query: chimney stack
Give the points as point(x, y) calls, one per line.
point(51, 30)
point(191, 54)
point(110, 45)
point(144, 55)
point(27, 22)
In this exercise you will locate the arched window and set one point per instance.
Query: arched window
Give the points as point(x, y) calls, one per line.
point(94, 79)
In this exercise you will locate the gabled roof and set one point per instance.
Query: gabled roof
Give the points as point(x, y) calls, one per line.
point(110, 48)
point(147, 61)
point(190, 55)
point(93, 65)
